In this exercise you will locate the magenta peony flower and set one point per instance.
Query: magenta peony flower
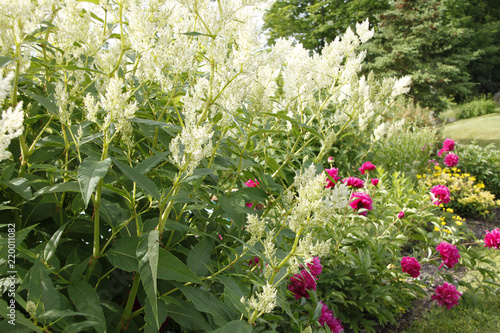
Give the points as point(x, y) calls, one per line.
point(254, 262)
point(451, 160)
point(333, 172)
point(315, 266)
point(492, 239)
point(354, 182)
point(300, 283)
point(449, 144)
point(447, 295)
point(374, 181)
point(252, 183)
point(328, 318)
point(449, 253)
point(401, 214)
point(367, 166)
point(411, 266)
point(361, 200)
point(441, 194)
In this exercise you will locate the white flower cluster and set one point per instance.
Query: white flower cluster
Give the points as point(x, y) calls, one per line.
point(11, 126)
point(195, 140)
point(256, 227)
point(265, 301)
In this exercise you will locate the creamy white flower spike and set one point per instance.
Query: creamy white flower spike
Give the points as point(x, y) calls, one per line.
point(11, 126)
point(265, 301)
point(364, 32)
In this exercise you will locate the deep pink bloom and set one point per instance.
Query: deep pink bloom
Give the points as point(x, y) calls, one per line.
point(252, 183)
point(328, 318)
point(447, 295)
point(300, 283)
point(411, 266)
point(401, 214)
point(354, 182)
point(451, 160)
point(374, 181)
point(361, 200)
point(334, 173)
point(441, 194)
point(449, 254)
point(367, 166)
point(492, 239)
point(315, 266)
point(449, 144)
point(253, 262)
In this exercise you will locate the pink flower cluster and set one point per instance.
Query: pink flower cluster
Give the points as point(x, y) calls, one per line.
point(304, 281)
point(447, 295)
point(329, 319)
point(449, 253)
point(441, 194)
point(361, 200)
point(492, 239)
point(367, 166)
point(334, 173)
point(451, 160)
point(448, 145)
point(354, 182)
point(251, 183)
point(401, 214)
point(411, 266)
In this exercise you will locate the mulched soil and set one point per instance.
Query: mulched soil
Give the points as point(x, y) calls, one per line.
point(478, 226)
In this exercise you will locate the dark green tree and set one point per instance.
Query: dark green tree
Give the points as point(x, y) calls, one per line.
point(421, 38)
point(316, 22)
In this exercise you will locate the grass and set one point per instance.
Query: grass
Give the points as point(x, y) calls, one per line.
point(484, 129)
point(483, 316)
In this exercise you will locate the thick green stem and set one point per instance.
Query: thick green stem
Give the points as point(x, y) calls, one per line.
point(130, 303)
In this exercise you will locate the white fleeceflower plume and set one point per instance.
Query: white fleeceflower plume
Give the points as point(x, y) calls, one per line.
point(11, 126)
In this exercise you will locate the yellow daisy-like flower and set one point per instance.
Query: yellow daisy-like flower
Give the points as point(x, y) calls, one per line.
point(443, 223)
point(419, 176)
point(449, 210)
point(436, 228)
point(454, 169)
point(448, 231)
point(459, 223)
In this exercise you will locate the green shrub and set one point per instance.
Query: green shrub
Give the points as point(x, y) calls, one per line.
point(477, 108)
point(482, 162)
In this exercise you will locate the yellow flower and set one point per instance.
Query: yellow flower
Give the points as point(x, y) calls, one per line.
point(448, 231)
point(437, 168)
point(443, 223)
point(473, 179)
point(436, 228)
point(441, 205)
point(459, 223)
point(419, 176)
point(449, 210)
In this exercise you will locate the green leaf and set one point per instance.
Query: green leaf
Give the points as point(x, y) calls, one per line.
point(208, 303)
point(123, 254)
point(235, 326)
point(22, 324)
point(91, 170)
point(41, 291)
point(199, 257)
point(82, 327)
point(187, 316)
point(142, 181)
point(171, 268)
point(51, 246)
point(147, 252)
point(48, 103)
point(87, 301)
point(4, 61)
point(57, 314)
point(21, 186)
point(60, 187)
point(194, 33)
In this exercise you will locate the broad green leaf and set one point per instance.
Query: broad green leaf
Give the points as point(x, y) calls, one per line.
point(47, 102)
point(41, 291)
point(232, 293)
point(5, 61)
point(142, 181)
point(91, 170)
point(147, 253)
point(208, 303)
point(87, 301)
point(21, 186)
point(51, 246)
point(22, 324)
point(60, 187)
point(123, 254)
point(83, 327)
point(187, 316)
point(171, 268)
point(150, 327)
point(199, 257)
point(57, 314)
point(235, 326)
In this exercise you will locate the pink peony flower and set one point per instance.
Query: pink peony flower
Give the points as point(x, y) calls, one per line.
point(300, 283)
point(367, 166)
point(449, 253)
point(315, 266)
point(441, 194)
point(333, 172)
point(401, 214)
point(361, 200)
point(447, 295)
point(492, 239)
point(328, 318)
point(252, 183)
point(254, 262)
point(354, 182)
point(411, 266)
point(451, 160)
point(449, 144)
point(374, 181)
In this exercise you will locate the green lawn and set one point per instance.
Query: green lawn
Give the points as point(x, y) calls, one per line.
point(484, 129)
